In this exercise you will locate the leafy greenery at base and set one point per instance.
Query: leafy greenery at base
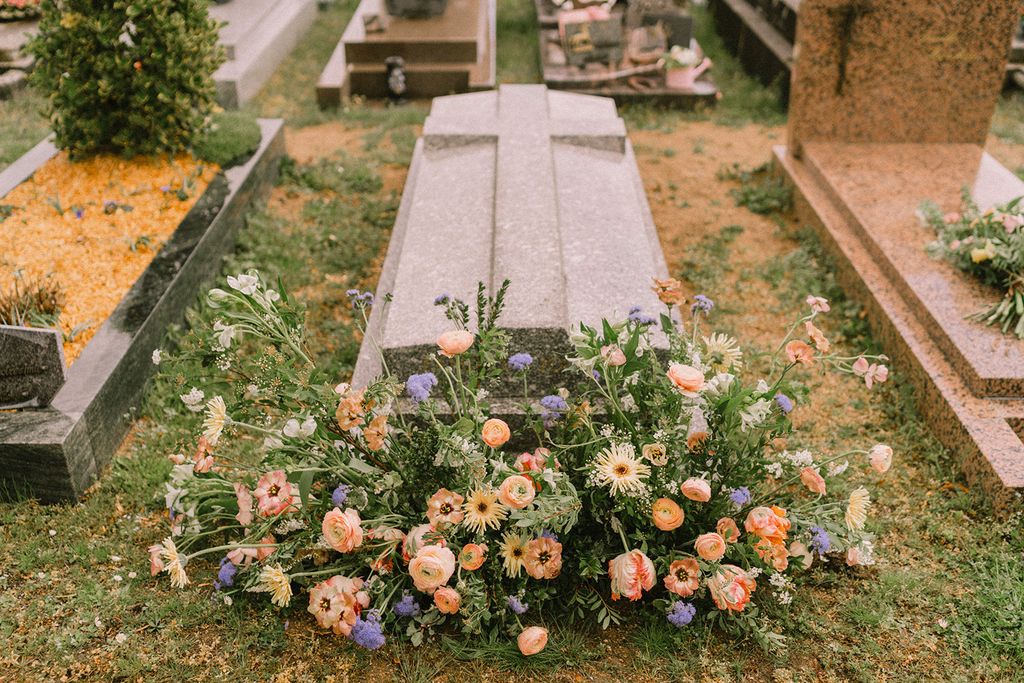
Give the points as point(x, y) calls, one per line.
point(761, 190)
point(231, 138)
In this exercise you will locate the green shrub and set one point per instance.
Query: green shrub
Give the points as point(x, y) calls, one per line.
point(126, 76)
point(230, 139)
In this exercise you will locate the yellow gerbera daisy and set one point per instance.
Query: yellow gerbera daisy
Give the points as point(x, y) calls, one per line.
point(513, 551)
point(723, 352)
point(173, 564)
point(273, 580)
point(857, 509)
point(483, 511)
point(619, 468)
point(216, 418)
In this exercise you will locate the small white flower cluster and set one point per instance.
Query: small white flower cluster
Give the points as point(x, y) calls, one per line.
point(754, 414)
point(194, 400)
point(782, 585)
point(290, 525)
point(799, 459)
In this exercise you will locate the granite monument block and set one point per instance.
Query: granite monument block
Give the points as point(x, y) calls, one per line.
point(31, 366)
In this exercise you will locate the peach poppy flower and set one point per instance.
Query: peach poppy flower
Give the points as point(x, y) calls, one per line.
point(818, 304)
point(445, 507)
point(447, 600)
point(543, 558)
point(156, 562)
point(273, 493)
point(244, 498)
point(814, 482)
point(472, 556)
point(798, 351)
point(669, 291)
point(687, 379)
point(337, 602)
point(376, 432)
point(454, 342)
point(202, 461)
point(342, 530)
point(710, 547)
point(802, 554)
point(880, 457)
point(696, 489)
point(731, 587)
point(683, 577)
point(495, 433)
point(774, 553)
point(666, 514)
point(728, 530)
point(532, 640)
point(516, 491)
point(631, 574)
point(351, 410)
point(871, 372)
point(613, 355)
point(768, 522)
point(820, 341)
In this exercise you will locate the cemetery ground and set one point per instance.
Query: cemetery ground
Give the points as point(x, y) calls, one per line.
point(945, 600)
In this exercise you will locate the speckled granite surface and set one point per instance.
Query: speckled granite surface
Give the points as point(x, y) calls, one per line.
point(898, 70)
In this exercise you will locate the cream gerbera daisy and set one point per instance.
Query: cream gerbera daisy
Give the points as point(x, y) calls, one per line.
point(857, 509)
point(619, 468)
point(216, 418)
point(483, 511)
point(273, 580)
point(173, 564)
point(513, 551)
point(723, 352)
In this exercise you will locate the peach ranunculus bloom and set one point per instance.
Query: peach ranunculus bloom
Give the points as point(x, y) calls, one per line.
point(543, 558)
point(669, 291)
point(814, 482)
point(342, 530)
point(631, 574)
point(447, 600)
point(532, 640)
point(710, 547)
point(775, 554)
point(820, 341)
point(416, 539)
point(768, 523)
point(731, 587)
point(880, 457)
point(683, 577)
point(244, 498)
point(472, 556)
point(337, 602)
point(667, 514)
point(495, 433)
point(613, 355)
point(351, 410)
point(728, 530)
point(376, 432)
point(655, 453)
point(818, 304)
point(799, 351)
point(687, 379)
point(431, 568)
point(696, 489)
point(454, 342)
point(445, 507)
point(274, 494)
point(516, 491)
point(802, 554)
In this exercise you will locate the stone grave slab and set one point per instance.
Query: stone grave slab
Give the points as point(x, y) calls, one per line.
point(868, 144)
point(15, 64)
point(450, 53)
point(257, 36)
point(525, 183)
point(31, 366)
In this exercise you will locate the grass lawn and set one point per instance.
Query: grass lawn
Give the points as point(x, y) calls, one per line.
point(944, 602)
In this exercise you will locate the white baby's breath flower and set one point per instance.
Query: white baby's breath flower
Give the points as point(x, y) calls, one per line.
point(774, 469)
point(216, 418)
point(245, 283)
point(193, 400)
point(157, 356)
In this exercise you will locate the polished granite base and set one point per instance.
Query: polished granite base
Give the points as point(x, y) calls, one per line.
point(56, 453)
point(863, 200)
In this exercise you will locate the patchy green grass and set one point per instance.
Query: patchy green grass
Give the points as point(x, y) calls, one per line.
point(945, 601)
point(518, 48)
point(1008, 121)
point(22, 125)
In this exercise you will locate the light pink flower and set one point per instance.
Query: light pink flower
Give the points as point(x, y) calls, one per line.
point(696, 489)
point(445, 507)
point(244, 497)
point(687, 379)
point(342, 530)
point(871, 373)
point(631, 574)
point(812, 480)
point(683, 577)
point(516, 491)
point(532, 640)
point(730, 588)
point(416, 539)
point(156, 562)
point(454, 342)
point(273, 493)
point(431, 568)
point(818, 304)
point(337, 602)
point(880, 457)
point(613, 355)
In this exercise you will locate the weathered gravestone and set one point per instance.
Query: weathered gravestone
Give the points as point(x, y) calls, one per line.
point(891, 101)
point(31, 366)
point(537, 186)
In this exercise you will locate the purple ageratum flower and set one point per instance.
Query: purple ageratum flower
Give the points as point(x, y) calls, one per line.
point(360, 299)
point(548, 534)
point(681, 613)
point(701, 303)
point(517, 605)
point(638, 317)
point(442, 299)
point(520, 361)
point(368, 632)
point(79, 213)
point(340, 494)
point(226, 574)
point(554, 406)
point(407, 606)
point(820, 542)
point(784, 402)
point(740, 496)
point(419, 386)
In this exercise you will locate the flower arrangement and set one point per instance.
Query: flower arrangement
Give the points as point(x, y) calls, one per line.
point(660, 484)
point(680, 58)
point(12, 10)
point(990, 246)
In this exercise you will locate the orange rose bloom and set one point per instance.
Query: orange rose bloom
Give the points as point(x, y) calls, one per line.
point(667, 514)
point(495, 433)
point(683, 577)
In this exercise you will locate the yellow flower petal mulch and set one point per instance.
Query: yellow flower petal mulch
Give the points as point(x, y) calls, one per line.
point(93, 226)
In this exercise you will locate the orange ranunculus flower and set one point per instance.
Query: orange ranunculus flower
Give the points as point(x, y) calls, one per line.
point(728, 530)
point(516, 491)
point(495, 433)
point(696, 489)
point(447, 600)
point(342, 530)
point(710, 547)
point(667, 514)
point(687, 379)
point(472, 556)
point(532, 640)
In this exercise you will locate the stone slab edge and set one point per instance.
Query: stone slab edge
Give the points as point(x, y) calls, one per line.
point(991, 454)
point(55, 454)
